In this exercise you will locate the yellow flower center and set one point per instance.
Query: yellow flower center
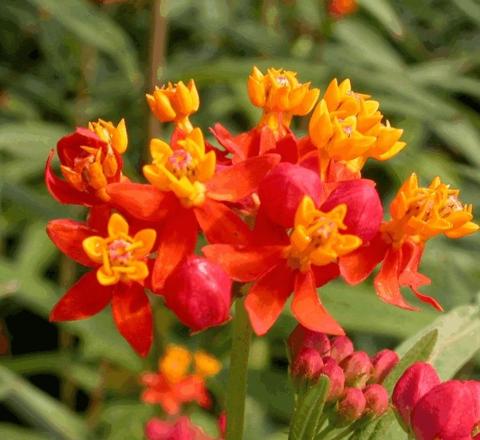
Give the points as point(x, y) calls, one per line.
point(317, 238)
point(121, 256)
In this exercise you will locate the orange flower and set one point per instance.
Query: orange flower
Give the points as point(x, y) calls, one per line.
point(339, 8)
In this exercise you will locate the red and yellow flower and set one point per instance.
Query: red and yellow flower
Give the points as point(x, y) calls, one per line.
point(120, 268)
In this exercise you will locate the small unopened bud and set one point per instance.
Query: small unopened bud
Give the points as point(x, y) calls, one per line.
point(352, 405)
point(302, 337)
point(376, 398)
point(307, 365)
point(383, 362)
point(157, 429)
point(358, 369)
point(336, 376)
point(342, 347)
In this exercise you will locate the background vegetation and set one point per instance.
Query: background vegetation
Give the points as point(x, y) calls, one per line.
point(65, 62)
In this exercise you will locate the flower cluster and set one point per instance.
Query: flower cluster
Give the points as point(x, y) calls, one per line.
point(355, 390)
point(429, 409)
point(285, 213)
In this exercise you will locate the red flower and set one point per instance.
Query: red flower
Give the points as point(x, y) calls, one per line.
point(185, 194)
point(306, 259)
point(120, 268)
point(181, 429)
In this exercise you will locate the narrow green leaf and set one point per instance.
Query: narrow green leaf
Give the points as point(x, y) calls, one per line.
point(13, 432)
point(471, 9)
point(383, 11)
point(384, 428)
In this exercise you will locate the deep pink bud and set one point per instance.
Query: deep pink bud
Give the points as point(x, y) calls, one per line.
point(352, 405)
point(302, 337)
point(449, 411)
point(199, 293)
point(376, 397)
point(364, 208)
point(342, 347)
point(336, 376)
point(284, 187)
point(415, 382)
point(357, 368)
point(383, 362)
point(157, 429)
point(307, 364)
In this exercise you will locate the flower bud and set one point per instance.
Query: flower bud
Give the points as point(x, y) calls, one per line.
point(307, 365)
point(336, 376)
point(449, 411)
point(157, 429)
point(415, 382)
point(352, 405)
point(342, 347)
point(383, 362)
point(376, 398)
point(199, 293)
point(282, 190)
point(358, 369)
point(302, 337)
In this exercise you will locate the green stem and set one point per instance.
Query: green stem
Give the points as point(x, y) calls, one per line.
point(237, 379)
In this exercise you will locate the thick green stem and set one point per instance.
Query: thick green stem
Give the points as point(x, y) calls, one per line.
point(237, 379)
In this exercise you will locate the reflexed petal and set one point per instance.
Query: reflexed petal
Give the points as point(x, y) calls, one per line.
point(308, 309)
point(68, 236)
point(133, 316)
point(265, 300)
point(244, 263)
point(325, 274)
point(84, 299)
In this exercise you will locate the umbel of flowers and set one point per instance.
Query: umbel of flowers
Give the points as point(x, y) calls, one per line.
point(282, 213)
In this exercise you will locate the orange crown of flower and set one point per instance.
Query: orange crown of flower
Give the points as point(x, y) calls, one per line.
point(419, 213)
point(182, 168)
point(316, 238)
point(116, 137)
point(122, 257)
point(175, 103)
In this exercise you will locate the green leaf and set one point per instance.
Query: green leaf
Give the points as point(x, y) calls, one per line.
point(383, 11)
point(14, 432)
point(471, 9)
point(305, 420)
point(40, 409)
point(386, 427)
point(421, 350)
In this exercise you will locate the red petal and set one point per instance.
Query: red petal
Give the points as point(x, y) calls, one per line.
point(221, 225)
point(358, 265)
point(62, 191)
point(69, 147)
point(265, 232)
point(142, 201)
point(325, 274)
point(386, 282)
point(68, 236)
point(266, 142)
point(308, 309)
point(227, 140)
point(242, 179)
point(288, 149)
point(266, 298)
point(84, 299)
point(177, 239)
point(244, 263)
point(133, 316)
point(98, 218)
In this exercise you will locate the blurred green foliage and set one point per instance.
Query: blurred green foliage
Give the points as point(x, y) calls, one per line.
point(65, 62)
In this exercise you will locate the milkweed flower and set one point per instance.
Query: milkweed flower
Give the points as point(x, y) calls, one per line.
point(120, 268)
point(90, 159)
point(180, 429)
point(186, 193)
point(181, 378)
point(175, 103)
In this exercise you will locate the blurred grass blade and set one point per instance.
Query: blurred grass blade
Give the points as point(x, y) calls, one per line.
point(40, 409)
point(471, 9)
point(14, 432)
point(383, 11)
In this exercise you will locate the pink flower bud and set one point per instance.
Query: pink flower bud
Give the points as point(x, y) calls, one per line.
point(283, 188)
point(302, 337)
point(157, 429)
point(352, 405)
point(376, 397)
point(449, 411)
point(336, 376)
point(199, 293)
point(357, 368)
point(383, 362)
point(307, 365)
point(342, 347)
point(415, 382)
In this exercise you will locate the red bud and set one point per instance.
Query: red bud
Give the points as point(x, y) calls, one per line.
point(302, 337)
point(357, 368)
point(376, 397)
point(383, 362)
point(336, 376)
point(342, 347)
point(352, 405)
point(199, 293)
point(284, 187)
point(307, 365)
point(416, 381)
